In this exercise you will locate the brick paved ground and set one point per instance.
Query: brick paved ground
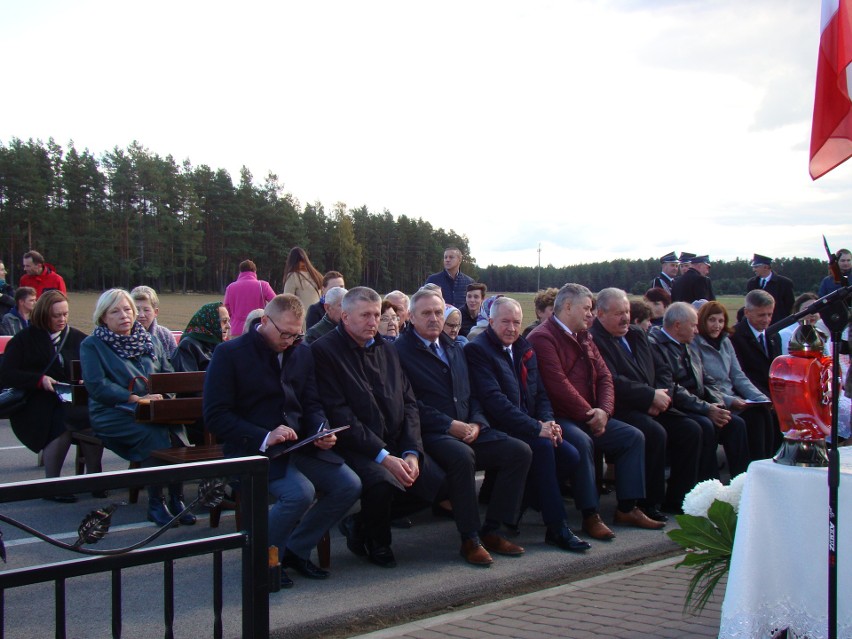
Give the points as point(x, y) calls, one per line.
point(644, 602)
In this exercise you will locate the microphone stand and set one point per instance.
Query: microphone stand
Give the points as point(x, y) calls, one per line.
point(834, 311)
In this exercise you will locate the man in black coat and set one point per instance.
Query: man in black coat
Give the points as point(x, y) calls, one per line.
point(697, 394)
point(643, 398)
point(778, 286)
point(504, 376)
point(259, 391)
point(457, 435)
point(694, 284)
point(362, 385)
point(756, 351)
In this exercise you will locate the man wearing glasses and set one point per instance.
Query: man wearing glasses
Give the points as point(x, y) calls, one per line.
point(259, 391)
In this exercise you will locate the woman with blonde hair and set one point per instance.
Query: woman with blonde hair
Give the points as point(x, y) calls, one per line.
point(117, 359)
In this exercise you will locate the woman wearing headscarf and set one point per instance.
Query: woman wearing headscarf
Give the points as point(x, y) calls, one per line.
point(208, 328)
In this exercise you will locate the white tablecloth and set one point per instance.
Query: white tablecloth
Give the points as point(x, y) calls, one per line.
point(779, 569)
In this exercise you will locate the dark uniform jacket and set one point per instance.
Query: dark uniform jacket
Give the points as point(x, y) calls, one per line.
point(692, 286)
point(781, 290)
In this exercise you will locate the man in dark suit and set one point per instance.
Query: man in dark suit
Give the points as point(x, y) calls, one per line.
point(643, 398)
point(695, 283)
point(668, 272)
point(778, 286)
point(362, 385)
point(581, 392)
point(756, 351)
point(697, 394)
point(457, 435)
point(504, 376)
point(259, 391)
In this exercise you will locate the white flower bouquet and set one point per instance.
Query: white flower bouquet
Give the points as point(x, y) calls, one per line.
point(706, 531)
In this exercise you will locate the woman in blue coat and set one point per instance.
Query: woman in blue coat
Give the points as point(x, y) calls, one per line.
point(116, 360)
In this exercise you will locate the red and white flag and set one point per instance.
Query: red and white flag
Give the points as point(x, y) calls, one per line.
point(831, 133)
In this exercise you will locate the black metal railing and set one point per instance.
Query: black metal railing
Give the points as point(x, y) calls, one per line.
point(252, 539)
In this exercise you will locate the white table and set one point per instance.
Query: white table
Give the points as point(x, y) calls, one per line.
point(779, 569)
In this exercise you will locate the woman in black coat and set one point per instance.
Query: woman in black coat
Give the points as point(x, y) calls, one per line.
point(45, 422)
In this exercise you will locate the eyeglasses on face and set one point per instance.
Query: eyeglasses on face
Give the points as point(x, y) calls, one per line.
point(389, 318)
point(295, 337)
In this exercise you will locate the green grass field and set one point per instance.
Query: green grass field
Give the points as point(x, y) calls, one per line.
point(176, 309)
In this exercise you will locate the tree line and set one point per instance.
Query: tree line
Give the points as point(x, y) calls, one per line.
point(635, 276)
point(130, 216)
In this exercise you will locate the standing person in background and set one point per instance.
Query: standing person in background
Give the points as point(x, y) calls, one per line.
point(452, 281)
point(245, 294)
point(40, 275)
point(316, 311)
point(148, 308)
point(778, 286)
point(19, 317)
point(301, 278)
point(7, 292)
point(844, 261)
point(668, 271)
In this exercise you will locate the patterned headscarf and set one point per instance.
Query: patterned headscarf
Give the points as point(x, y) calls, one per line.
point(204, 325)
point(127, 346)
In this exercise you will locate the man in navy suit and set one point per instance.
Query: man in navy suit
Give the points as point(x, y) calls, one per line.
point(504, 376)
point(756, 352)
point(457, 435)
point(259, 391)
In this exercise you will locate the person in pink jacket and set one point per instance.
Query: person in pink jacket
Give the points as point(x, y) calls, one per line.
point(246, 294)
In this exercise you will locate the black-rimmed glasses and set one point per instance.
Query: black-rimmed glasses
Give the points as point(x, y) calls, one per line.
point(296, 337)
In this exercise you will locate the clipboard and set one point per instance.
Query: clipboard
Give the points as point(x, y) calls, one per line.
point(276, 450)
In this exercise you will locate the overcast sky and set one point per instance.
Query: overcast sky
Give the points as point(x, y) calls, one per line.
point(599, 129)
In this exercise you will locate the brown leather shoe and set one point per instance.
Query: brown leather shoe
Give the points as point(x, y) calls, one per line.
point(475, 554)
point(637, 519)
point(594, 527)
point(500, 545)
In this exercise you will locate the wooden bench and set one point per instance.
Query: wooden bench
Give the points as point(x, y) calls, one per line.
point(183, 410)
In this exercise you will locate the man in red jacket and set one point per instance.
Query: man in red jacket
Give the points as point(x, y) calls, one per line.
point(40, 275)
point(581, 391)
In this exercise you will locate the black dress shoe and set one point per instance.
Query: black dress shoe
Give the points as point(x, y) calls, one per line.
point(566, 540)
point(304, 567)
point(62, 499)
point(286, 582)
point(100, 494)
point(654, 513)
point(349, 527)
point(672, 509)
point(381, 555)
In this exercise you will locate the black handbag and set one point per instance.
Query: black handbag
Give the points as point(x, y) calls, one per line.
point(14, 399)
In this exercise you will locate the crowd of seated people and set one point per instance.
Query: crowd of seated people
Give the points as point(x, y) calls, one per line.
point(646, 383)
